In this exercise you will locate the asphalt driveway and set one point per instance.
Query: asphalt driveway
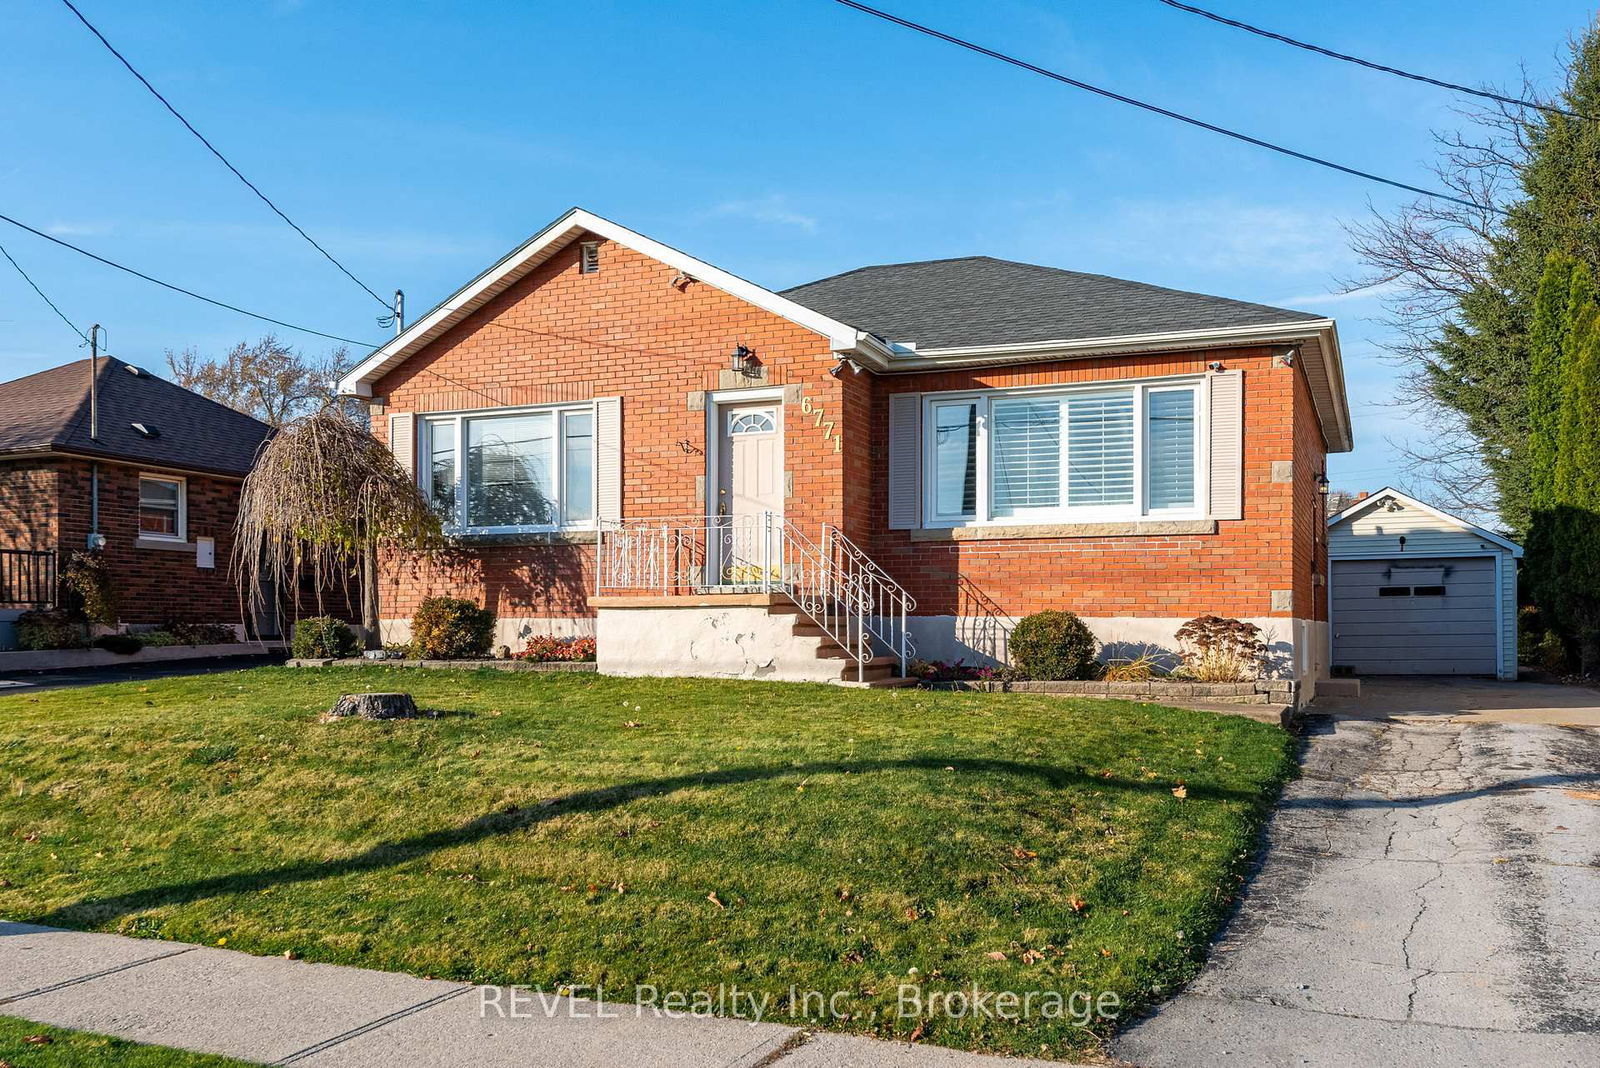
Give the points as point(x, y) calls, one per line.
point(1429, 896)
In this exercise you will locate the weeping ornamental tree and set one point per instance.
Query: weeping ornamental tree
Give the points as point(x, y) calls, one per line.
point(323, 500)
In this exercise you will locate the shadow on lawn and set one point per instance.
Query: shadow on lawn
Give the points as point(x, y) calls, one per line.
point(506, 821)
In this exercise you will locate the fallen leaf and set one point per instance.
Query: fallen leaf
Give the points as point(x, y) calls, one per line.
point(290, 954)
point(712, 897)
point(633, 723)
point(916, 1032)
point(995, 954)
point(1079, 904)
point(1583, 795)
point(1104, 952)
point(38, 1040)
point(1180, 792)
point(1023, 854)
point(1032, 956)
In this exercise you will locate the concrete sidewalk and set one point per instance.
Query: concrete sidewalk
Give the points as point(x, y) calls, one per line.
point(284, 1012)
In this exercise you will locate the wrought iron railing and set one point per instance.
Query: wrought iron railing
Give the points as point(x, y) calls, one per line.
point(27, 578)
point(834, 584)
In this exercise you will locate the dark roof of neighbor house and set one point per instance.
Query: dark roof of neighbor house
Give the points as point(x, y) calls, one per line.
point(980, 300)
point(50, 410)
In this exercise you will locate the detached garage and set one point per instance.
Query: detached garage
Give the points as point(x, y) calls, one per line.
point(1417, 591)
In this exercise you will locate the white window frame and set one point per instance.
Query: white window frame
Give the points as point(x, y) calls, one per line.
point(429, 423)
point(183, 508)
point(1063, 512)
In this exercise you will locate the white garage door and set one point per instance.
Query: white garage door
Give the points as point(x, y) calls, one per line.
point(1415, 617)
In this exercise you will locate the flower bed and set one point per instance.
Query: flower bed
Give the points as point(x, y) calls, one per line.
point(546, 649)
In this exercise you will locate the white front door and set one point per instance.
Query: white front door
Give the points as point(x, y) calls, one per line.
point(749, 490)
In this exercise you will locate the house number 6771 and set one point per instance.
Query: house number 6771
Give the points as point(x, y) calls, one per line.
point(820, 421)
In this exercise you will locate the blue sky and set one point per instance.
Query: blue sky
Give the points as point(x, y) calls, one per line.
point(781, 140)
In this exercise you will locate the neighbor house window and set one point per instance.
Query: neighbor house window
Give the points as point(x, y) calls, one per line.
point(1088, 453)
point(161, 507)
point(511, 471)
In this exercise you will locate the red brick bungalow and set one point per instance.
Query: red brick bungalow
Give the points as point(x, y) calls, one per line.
point(154, 477)
point(632, 442)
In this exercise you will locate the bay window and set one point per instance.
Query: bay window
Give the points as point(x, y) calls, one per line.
point(1087, 454)
point(506, 472)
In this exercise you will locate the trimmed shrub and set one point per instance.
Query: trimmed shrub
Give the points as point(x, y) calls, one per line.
point(185, 632)
point(1054, 646)
point(49, 628)
point(121, 644)
point(89, 591)
point(323, 638)
point(1218, 649)
point(448, 628)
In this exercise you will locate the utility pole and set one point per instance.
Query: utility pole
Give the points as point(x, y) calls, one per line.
point(94, 385)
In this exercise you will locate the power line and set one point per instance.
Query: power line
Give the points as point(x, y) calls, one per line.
point(1396, 71)
point(213, 149)
point(179, 289)
point(1202, 124)
point(35, 286)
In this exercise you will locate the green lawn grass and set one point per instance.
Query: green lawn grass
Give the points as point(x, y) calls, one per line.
point(79, 1049)
point(580, 831)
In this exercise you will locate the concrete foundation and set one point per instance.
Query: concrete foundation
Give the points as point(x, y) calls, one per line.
point(708, 639)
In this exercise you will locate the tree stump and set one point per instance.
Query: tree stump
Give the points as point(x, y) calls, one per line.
point(375, 706)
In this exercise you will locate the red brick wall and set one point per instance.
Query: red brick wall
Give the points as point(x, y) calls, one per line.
point(155, 585)
point(627, 331)
point(1231, 572)
point(624, 331)
point(28, 503)
point(1310, 525)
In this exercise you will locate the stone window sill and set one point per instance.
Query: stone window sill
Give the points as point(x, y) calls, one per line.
point(164, 544)
point(1144, 528)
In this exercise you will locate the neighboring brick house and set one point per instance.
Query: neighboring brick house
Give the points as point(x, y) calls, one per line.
point(155, 474)
point(984, 438)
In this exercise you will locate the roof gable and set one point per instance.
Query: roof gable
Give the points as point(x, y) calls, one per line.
point(1366, 504)
point(539, 248)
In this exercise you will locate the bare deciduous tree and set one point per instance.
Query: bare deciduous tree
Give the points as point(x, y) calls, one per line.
point(267, 379)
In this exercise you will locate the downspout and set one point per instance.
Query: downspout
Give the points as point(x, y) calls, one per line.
point(95, 540)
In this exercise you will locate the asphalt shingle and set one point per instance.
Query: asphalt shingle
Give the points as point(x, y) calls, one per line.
point(979, 300)
point(50, 410)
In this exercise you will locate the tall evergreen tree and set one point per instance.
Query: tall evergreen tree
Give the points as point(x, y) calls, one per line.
point(1574, 513)
point(1546, 388)
point(1464, 281)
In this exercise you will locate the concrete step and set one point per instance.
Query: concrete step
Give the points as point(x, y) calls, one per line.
point(891, 682)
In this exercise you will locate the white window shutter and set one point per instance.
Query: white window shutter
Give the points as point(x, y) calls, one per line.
point(905, 461)
point(403, 441)
point(608, 458)
point(1227, 445)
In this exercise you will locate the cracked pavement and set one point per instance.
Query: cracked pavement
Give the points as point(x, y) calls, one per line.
point(1430, 896)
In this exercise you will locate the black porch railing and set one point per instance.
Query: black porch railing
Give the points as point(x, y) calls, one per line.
point(27, 578)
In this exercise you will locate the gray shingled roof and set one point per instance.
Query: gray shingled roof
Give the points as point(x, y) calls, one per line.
point(979, 300)
point(50, 410)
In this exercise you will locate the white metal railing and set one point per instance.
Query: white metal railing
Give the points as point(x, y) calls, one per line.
point(834, 584)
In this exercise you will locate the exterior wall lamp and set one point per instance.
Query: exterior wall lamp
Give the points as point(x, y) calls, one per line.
point(743, 361)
